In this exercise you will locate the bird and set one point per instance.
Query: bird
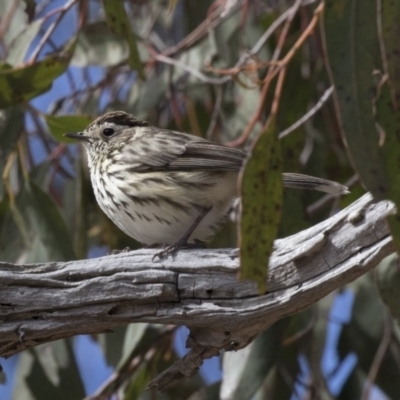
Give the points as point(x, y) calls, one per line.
point(163, 187)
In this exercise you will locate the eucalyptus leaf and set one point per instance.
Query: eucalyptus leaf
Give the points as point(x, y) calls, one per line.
point(112, 343)
point(11, 125)
point(18, 85)
point(60, 124)
point(96, 45)
point(138, 383)
point(245, 370)
point(388, 275)
point(353, 51)
point(118, 22)
point(261, 187)
point(363, 336)
point(17, 23)
point(388, 109)
point(20, 46)
point(36, 227)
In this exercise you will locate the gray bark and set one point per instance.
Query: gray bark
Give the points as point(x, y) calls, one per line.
point(197, 288)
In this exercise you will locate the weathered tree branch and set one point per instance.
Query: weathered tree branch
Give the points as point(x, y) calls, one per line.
point(45, 302)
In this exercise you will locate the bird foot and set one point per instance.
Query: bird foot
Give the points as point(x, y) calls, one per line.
point(174, 248)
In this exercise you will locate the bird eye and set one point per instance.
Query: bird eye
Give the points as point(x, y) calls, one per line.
point(108, 132)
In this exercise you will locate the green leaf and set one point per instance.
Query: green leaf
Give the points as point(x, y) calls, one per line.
point(388, 110)
point(76, 199)
point(33, 381)
point(118, 21)
point(245, 370)
point(18, 85)
point(363, 336)
point(34, 229)
point(389, 284)
point(261, 207)
point(133, 335)
point(172, 5)
point(354, 385)
point(138, 383)
point(52, 357)
point(11, 125)
point(69, 384)
point(19, 47)
point(60, 124)
point(112, 343)
point(30, 6)
point(16, 24)
point(353, 51)
point(46, 223)
point(96, 45)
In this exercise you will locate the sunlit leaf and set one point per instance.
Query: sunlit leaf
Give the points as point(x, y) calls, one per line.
point(96, 45)
point(19, 47)
point(36, 228)
point(60, 124)
point(245, 370)
point(261, 187)
point(18, 21)
point(69, 385)
point(118, 22)
point(45, 220)
point(18, 85)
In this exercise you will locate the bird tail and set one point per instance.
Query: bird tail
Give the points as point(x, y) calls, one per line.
point(299, 181)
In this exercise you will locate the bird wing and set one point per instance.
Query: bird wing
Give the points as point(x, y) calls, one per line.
point(164, 150)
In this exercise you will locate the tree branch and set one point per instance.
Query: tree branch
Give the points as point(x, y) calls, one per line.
point(44, 302)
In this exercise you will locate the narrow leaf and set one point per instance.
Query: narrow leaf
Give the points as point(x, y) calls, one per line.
point(353, 52)
point(261, 207)
point(18, 85)
point(118, 21)
point(60, 124)
point(388, 108)
point(20, 46)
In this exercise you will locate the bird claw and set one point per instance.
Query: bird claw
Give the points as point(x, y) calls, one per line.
point(174, 248)
point(168, 251)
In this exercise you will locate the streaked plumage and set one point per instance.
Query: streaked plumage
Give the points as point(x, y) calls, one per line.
point(153, 183)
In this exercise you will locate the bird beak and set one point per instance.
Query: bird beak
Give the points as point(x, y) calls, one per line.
point(78, 136)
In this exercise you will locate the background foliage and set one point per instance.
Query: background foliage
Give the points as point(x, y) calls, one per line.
point(233, 71)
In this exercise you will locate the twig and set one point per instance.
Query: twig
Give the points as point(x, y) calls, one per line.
point(315, 207)
point(376, 364)
point(62, 10)
point(309, 114)
point(240, 63)
point(302, 332)
point(270, 75)
point(128, 368)
point(189, 69)
point(215, 113)
point(206, 26)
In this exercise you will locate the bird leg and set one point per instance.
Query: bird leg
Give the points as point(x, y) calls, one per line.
point(183, 241)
